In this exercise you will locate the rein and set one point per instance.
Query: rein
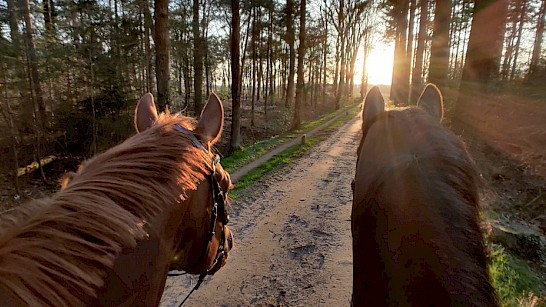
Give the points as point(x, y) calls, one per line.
point(218, 211)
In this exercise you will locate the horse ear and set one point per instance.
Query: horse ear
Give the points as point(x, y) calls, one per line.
point(211, 121)
point(432, 102)
point(145, 113)
point(373, 105)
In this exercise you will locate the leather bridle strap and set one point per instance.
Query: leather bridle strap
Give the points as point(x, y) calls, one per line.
point(218, 204)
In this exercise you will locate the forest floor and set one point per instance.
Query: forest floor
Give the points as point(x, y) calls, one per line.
point(292, 227)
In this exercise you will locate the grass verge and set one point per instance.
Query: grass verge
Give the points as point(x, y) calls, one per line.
point(293, 152)
point(513, 280)
point(251, 153)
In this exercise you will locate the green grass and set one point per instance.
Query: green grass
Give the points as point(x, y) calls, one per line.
point(250, 153)
point(512, 279)
point(292, 152)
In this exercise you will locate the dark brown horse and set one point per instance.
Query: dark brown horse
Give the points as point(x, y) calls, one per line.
point(416, 235)
point(109, 237)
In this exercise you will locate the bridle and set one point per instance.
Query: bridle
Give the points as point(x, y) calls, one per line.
point(218, 211)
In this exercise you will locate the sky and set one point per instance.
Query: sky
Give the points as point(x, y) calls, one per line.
point(379, 64)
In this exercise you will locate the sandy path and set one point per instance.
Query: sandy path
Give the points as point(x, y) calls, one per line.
point(293, 237)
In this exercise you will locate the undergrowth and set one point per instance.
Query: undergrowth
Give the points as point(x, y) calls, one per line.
point(514, 282)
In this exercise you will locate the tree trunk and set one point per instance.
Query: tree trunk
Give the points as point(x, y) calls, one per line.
point(235, 139)
point(324, 61)
point(336, 70)
point(539, 34)
point(400, 75)
point(408, 57)
point(510, 41)
point(290, 38)
point(13, 24)
point(9, 118)
point(35, 74)
point(162, 53)
point(269, 66)
point(148, 28)
point(459, 27)
point(439, 51)
point(417, 73)
point(197, 60)
point(254, 64)
point(47, 15)
point(522, 10)
point(485, 42)
point(482, 56)
point(296, 123)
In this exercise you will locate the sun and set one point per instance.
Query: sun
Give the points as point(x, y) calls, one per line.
point(379, 64)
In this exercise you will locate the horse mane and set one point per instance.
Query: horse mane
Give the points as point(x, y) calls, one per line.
point(442, 172)
point(56, 251)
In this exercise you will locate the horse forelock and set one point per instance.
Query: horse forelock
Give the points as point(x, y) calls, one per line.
point(57, 251)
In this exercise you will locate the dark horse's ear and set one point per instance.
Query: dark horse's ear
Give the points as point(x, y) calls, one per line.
point(373, 105)
point(145, 113)
point(432, 102)
point(211, 121)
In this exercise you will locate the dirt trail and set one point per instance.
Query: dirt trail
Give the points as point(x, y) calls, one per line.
point(293, 237)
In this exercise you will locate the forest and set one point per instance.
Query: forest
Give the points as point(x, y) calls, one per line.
point(71, 72)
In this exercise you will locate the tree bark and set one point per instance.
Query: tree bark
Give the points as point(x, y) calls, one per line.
point(482, 56)
point(47, 15)
point(522, 11)
point(35, 74)
point(296, 123)
point(400, 75)
point(417, 72)
point(269, 66)
point(13, 21)
point(485, 42)
point(324, 60)
point(290, 38)
point(9, 118)
point(235, 38)
point(254, 64)
point(539, 34)
point(148, 29)
point(162, 53)
point(197, 60)
point(439, 51)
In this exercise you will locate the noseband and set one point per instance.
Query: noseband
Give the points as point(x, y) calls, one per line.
point(218, 209)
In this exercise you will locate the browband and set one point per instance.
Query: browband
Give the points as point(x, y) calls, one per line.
point(191, 136)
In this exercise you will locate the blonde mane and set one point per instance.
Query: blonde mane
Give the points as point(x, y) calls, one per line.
point(56, 251)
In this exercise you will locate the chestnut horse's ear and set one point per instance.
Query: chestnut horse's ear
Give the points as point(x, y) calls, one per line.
point(432, 102)
point(145, 113)
point(373, 105)
point(211, 121)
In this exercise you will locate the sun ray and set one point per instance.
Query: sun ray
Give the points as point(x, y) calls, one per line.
point(379, 64)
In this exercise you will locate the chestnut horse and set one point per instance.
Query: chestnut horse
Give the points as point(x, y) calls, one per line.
point(416, 234)
point(110, 236)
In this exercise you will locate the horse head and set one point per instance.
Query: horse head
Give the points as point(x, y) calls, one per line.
point(415, 219)
point(204, 240)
